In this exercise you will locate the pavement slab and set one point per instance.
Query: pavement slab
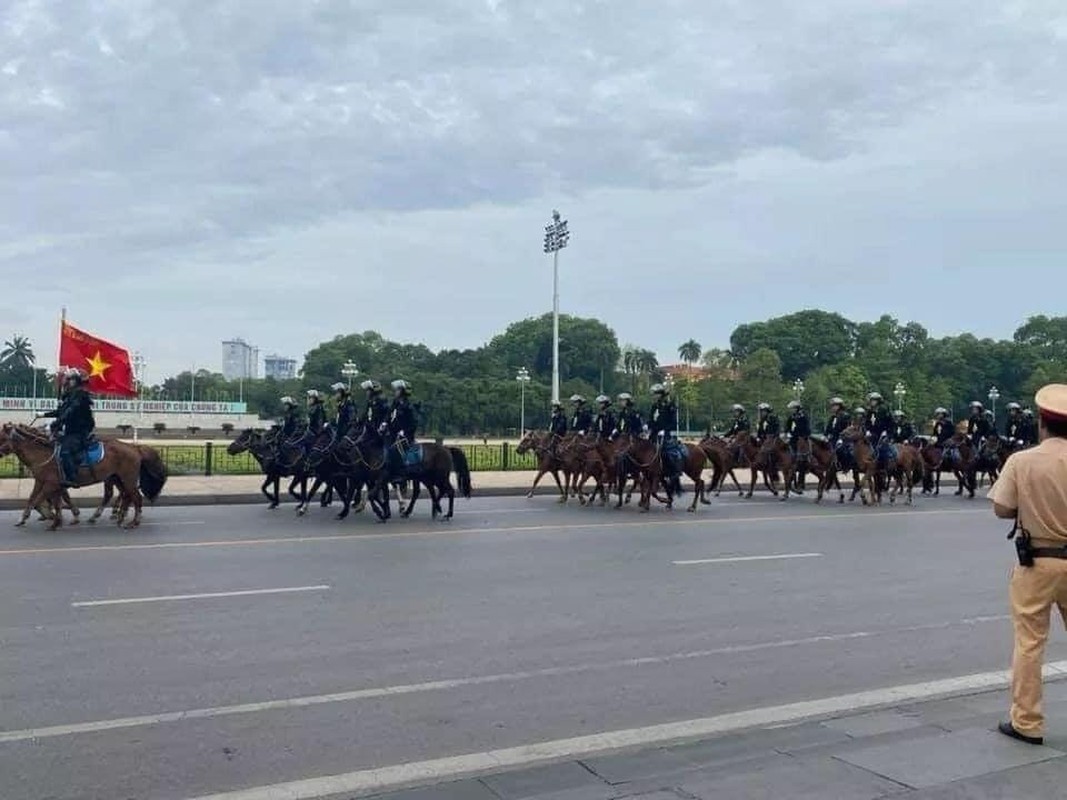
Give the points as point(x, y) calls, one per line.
point(952, 757)
point(527, 783)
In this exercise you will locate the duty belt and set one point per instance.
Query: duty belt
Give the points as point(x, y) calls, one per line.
point(1050, 552)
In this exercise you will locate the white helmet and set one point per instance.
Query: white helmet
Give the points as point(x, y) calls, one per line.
point(836, 401)
point(1014, 407)
point(897, 413)
point(314, 394)
point(873, 396)
point(339, 387)
point(658, 388)
point(370, 386)
point(400, 386)
point(577, 398)
point(939, 412)
point(603, 399)
point(764, 406)
point(287, 401)
point(792, 405)
point(625, 397)
point(975, 404)
point(740, 409)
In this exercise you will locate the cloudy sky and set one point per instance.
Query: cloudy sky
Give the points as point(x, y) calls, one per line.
point(178, 172)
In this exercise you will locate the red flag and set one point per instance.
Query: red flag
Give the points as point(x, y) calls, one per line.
point(107, 365)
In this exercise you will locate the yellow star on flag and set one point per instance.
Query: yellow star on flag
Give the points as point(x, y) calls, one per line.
point(97, 366)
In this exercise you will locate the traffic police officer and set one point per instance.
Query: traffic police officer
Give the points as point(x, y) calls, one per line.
point(1030, 490)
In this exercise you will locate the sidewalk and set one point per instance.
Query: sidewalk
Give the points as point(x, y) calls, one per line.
point(934, 750)
point(190, 490)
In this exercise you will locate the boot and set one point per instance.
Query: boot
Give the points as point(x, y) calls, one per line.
point(69, 477)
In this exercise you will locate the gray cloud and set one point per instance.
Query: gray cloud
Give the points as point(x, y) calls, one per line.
point(204, 154)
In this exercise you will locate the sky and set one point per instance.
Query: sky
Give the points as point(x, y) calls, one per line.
point(176, 173)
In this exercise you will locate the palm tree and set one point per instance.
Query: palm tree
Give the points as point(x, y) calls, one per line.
point(689, 352)
point(17, 353)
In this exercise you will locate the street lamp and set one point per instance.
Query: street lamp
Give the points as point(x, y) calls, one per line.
point(899, 392)
point(798, 389)
point(349, 370)
point(994, 395)
point(523, 377)
point(556, 238)
point(138, 363)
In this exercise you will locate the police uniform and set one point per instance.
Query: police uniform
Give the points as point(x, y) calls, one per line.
point(1030, 489)
point(878, 422)
point(316, 417)
point(944, 429)
point(663, 417)
point(291, 423)
point(836, 425)
point(402, 419)
point(629, 421)
point(604, 423)
point(346, 414)
point(582, 419)
point(767, 427)
point(1015, 428)
point(557, 425)
point(741, 425)
point(74, 420)
point(902, 431)
point(978, 428)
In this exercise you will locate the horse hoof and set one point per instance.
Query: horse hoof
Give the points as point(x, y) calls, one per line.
point(92, 521)
point(529, 495)
point(691, 509)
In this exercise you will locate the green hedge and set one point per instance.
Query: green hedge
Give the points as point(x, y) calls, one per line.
point(192, 459)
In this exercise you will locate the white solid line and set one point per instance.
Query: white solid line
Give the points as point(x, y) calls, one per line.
point(166, 597)
point(457, 683)
point(434, 770)
point(734, 559)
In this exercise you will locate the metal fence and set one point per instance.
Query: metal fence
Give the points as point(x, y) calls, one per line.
point(212, 459)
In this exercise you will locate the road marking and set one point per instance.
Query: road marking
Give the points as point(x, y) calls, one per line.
point(418, 773)
point(203, 596)
point(735, 559)
point(873, 515)
point(459, 683)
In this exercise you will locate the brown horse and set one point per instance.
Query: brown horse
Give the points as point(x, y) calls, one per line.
point(121, 461)
point(746, 451)
point(720, 455)
point(774, 456)
point(544, 445)
point(955, 455)
point(906, 472)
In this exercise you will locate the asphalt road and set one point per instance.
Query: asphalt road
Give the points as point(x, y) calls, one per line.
point(542, 622)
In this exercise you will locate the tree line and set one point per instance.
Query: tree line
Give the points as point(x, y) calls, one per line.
point(475, 391)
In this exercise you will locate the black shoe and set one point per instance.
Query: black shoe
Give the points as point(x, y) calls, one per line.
point(1009, 730)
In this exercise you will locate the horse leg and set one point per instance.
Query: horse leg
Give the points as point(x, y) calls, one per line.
point(540, 474)
point(36, 497)
point(752, 484)
point(698, 490)
point(415, 489)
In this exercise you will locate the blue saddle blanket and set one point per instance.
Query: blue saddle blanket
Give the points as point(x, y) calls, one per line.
point(94, 454)
point(887, 452)
point(676, 451)
point(413, 455)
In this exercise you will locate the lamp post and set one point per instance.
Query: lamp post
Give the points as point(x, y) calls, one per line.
point(798, 389)
point(523, 377)
point(900, 392)
point(556, 238)
point(349, 370)
point(138, 364)
point(994, 395)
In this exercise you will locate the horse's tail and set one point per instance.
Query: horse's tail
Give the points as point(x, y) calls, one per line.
point(463, 471)
point(153, 473)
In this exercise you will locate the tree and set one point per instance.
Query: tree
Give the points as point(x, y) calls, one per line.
point(690, 353)
point(761, 377)
point(17, 353)
point(804, 340)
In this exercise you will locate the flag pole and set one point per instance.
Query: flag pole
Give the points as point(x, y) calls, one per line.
point(59, 350)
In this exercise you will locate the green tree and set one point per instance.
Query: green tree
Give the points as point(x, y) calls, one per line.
point(689, 352)
point(17, 353)
point(804, 340)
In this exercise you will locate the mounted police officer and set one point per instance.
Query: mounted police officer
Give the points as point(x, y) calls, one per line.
point(582, 418)
point(629, 420)
point(316, 412)
point(940, 449)
point(74, 425)
point(346, 409)
point(1031, 437)
point(375, 411)
point(400, 428)
point(557, 423)
point(798, 429)
point(291, 419)
point(662, 423)
point(944, 429)
point(903, 431)
point(1015, 426)
point(878, 421)
point(604, 422)
point(978, 424)
point(767, 425)
point(837, 423)
point(740, 423)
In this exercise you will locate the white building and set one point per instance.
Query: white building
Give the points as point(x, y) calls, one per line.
point(279, 367)
point(240, 360)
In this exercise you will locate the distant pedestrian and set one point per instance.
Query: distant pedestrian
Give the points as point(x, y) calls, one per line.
point(1032, 490)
